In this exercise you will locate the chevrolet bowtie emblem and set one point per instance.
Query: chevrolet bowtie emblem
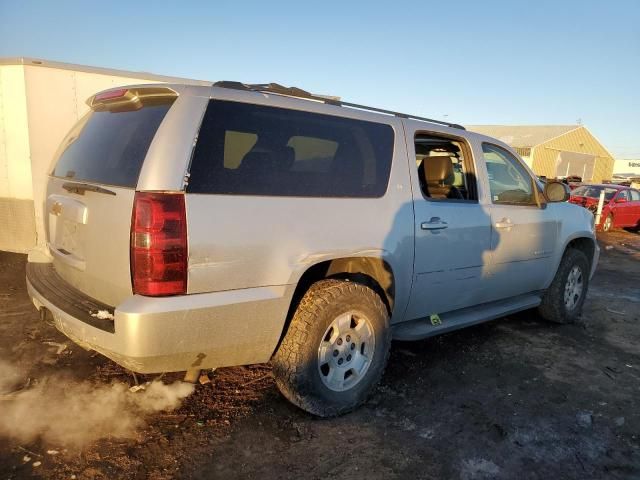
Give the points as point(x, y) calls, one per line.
point(56, 208)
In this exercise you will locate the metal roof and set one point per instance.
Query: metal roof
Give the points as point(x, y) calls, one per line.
point(523, 136)
point(38, 62)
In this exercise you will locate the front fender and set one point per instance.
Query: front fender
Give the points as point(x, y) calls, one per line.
point(575, 223)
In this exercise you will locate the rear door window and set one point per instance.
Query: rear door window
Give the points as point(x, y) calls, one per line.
point(246, 149)
point(109, 147)
point(445, 168)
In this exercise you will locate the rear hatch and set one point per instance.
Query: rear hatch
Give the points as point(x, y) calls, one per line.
point(91, 189)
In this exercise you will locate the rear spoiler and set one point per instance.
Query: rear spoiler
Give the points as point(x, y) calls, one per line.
point(131, 98)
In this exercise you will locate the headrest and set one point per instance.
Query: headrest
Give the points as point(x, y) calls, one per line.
point(256, 161)
point(280, 159)
point(438, 169)
point(284, 157)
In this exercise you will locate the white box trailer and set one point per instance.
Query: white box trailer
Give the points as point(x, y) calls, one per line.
point(40, 101)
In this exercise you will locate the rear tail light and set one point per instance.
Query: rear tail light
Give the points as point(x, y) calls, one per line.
point(131, 98)
point(159, 244)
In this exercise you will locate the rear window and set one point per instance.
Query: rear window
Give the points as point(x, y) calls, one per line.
point(109, 147)
point(246, 149)
point(594, 192)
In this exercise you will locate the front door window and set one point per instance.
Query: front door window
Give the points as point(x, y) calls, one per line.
point(509, 182)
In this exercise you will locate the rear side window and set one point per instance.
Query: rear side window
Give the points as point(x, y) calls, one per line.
point(246, 149)
point(109, 147)
point(624, 194)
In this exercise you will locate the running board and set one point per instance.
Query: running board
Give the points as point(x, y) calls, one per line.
point(424, 327)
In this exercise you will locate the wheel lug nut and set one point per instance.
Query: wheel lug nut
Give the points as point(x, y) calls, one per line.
point(353, 346)
point(339, 342)
point(335, 353)
point(340, 361)
point(348, 338)
point(348, 358)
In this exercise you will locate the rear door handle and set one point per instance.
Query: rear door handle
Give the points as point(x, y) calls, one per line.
point(434, 224)
point(504, 223)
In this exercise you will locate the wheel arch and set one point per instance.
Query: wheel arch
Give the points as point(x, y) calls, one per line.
point(371, 271)
point(586, 243)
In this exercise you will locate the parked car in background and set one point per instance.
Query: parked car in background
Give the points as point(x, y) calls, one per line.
point(622, 179)
point(621, 204)
point(572, 179)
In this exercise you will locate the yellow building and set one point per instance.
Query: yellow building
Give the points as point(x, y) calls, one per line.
point(555, 150)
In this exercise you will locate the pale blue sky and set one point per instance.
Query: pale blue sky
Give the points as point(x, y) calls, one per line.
point(475, 62)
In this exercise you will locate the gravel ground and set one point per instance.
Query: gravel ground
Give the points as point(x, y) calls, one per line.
point(516, 397)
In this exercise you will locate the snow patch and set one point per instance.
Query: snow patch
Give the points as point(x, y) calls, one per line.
point(102, 315)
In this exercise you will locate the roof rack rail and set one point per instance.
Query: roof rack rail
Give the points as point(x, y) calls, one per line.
point(298, 92)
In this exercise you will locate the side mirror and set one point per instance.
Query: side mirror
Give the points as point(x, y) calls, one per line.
point(621, 200)
point(557, 191)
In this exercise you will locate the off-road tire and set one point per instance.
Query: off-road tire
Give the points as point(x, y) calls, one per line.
point(296, 365)
point(553, 306)
point(604, 224)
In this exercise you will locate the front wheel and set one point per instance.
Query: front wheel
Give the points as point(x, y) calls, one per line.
point(563, 300)
point(335, 350)
point(608, 223)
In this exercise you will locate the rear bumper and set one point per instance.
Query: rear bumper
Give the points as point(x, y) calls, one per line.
point(149, 335)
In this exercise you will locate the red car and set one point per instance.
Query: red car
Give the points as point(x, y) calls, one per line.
point(621, 204)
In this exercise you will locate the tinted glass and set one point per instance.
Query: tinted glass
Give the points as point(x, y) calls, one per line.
point(509, 181)
point(109, 147)
point(246, 149)
point(594, 192)
point(624, 194)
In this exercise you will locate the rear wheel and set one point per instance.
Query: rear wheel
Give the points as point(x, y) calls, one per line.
point(335, 349)
point(563, 300)
point(608, 223)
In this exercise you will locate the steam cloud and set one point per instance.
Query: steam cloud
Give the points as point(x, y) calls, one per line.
point(72, 414)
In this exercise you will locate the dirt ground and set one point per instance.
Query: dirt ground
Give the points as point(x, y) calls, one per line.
point(513, 398)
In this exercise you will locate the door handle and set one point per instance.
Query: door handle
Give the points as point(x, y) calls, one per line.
point(434, 224)
point(504, 223)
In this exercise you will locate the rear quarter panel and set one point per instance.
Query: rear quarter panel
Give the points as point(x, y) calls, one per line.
point(238, 241)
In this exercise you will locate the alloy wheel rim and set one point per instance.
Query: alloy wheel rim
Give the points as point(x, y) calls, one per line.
point(346, 351)
point(607, 223)
point(573, 287)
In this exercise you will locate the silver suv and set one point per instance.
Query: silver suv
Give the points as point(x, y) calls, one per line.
point(200, 227)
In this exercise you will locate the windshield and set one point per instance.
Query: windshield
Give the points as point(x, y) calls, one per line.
point(594, 192)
